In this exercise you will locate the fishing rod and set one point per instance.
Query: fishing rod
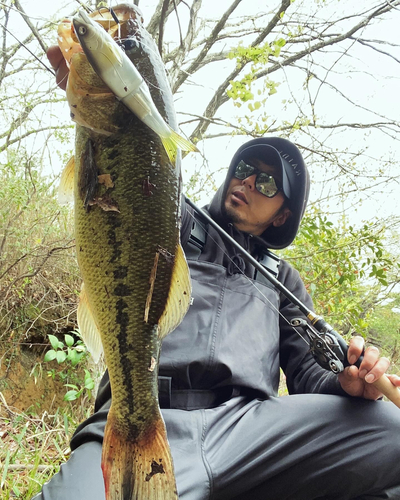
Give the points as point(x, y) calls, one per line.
point(327, 346)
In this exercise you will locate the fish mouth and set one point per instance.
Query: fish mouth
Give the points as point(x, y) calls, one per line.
point(240, 196)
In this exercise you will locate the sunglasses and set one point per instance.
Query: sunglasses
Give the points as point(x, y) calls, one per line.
point(265, 183)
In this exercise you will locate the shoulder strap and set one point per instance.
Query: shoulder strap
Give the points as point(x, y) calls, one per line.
point(271, 262)
point(197, 237)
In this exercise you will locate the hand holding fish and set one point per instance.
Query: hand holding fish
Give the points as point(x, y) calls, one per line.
point(59, 65)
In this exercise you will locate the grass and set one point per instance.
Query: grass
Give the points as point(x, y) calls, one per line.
point(33, 447)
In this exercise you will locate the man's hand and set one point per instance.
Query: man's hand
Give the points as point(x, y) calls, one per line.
point(59, 65)
point(358, 381)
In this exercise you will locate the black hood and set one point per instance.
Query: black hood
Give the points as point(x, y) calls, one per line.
point(296, 185)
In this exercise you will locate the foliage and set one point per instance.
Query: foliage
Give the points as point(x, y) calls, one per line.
point(384, 330)
point(345, 268)
point(69, 354)
point(68, 351)
point(258, 57)
point(33, 447)
point(38, 272)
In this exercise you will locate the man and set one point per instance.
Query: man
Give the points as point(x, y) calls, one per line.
point(230, 435)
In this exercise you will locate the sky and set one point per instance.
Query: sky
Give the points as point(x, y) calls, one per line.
point(379, 86)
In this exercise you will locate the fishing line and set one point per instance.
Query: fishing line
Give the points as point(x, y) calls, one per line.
point(26, 48)
point(22, 13)
point(253, 284)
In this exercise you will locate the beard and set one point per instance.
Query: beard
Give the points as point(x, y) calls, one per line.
point(236, 218)
point(232, 215)
point(247, 225)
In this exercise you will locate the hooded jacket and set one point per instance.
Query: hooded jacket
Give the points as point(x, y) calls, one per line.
point(237, 332)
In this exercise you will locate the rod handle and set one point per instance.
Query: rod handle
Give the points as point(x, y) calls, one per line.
point(386, 387)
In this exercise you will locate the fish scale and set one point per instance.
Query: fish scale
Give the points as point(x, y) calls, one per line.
point(123, 300)
point(136, 281)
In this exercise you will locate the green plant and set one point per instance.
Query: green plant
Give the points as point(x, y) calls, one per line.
point(346, 269)
point(33, 446)
point(69, 350)
point(76, 392)
point(69, 354)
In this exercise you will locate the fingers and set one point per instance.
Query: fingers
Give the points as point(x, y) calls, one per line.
point(356, 347)
point(373, 366)
point(359, 381)
point(395, 379)
point(58, 63)
point(54, 56)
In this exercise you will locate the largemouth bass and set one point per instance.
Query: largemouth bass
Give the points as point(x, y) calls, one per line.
point(136, 281)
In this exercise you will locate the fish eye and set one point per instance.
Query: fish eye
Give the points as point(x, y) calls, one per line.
point(82, 30)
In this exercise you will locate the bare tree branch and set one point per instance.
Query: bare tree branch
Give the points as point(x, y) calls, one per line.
point(331, 41)
point(31, 27)
point(207, 46)
point(220, 96)
point(368, 44)
point(30, 132)
point(186, 44)
point(153, 26)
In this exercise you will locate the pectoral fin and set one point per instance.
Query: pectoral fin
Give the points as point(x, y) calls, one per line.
point(88, 328)
point(66, 187)
point(179, 296)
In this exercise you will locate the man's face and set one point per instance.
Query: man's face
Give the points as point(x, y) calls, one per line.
point(251, 211)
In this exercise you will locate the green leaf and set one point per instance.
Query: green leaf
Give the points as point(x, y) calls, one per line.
point(66, 424)
point(61, 356)
point(49, 356)
point(69, 340)
point(77, 359)
point(55, 343)
point(5, 468)
point(89, 383)
point(71, 395)
point(72, 385)
point(72, 355)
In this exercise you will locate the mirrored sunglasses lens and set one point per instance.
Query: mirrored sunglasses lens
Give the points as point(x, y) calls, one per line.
point(266, 185)
point(243, 170)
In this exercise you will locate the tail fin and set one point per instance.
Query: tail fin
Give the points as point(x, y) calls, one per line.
point(138, 470)
point(175, 141)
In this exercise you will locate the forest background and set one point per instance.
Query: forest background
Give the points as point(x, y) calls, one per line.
point(324, 74)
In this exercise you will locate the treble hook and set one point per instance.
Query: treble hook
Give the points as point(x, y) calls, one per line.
point(115, 17)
